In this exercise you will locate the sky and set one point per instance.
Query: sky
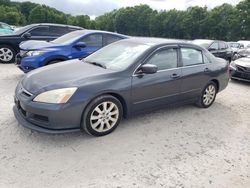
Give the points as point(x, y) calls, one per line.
point(95, 8)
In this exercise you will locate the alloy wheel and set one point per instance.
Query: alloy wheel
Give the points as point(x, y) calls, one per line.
point(6, 55)
point(209, 95)
point(104, 116)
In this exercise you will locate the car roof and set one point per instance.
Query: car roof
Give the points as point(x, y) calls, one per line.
point(53, 24)
point(151, 41)
point(87, 31)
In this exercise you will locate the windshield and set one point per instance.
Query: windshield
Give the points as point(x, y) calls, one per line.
point(4, 26)
point(117, 56)
point(234, 45)
point(203, 43)
point(68, 38)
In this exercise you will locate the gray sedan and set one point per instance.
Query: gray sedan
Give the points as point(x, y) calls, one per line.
point(120, 80)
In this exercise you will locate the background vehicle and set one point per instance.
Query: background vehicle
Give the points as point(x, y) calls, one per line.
point(244, 42)
point(121, 79)
point(5, 28)
point(77, 44)
point(217, 48)
point(9, 44)
point(240, 69)
point(236, 47)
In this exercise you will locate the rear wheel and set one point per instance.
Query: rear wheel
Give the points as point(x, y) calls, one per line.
point(208, 95)
point(102, 116)
point(7, 54)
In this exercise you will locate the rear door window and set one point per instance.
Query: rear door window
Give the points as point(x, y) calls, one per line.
point(58, 31)
point(191, 56)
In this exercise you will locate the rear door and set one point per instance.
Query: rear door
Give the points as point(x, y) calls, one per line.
point(163, 87)
point(93, 43)
point(196, 72)
point(57, 31)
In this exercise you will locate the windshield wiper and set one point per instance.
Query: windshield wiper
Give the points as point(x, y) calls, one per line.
point(97, 64)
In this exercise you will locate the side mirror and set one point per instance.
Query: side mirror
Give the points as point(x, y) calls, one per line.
point(26, 35)
point(80, 45)
point(148, 69)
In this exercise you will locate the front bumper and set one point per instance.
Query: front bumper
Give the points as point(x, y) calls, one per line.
point(240, 75)
point(27, 64)
point(37, 128)
point(47, 118)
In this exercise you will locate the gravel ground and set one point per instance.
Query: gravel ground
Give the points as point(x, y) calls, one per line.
point(177, 147)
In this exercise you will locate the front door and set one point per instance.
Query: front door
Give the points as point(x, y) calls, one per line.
point(163, 87)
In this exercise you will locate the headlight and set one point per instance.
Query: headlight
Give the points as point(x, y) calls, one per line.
point(34, 53)
point(57, 96)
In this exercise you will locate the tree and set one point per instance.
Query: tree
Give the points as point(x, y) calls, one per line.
point(38, 14)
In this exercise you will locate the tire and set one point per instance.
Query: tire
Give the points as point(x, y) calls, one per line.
point(208, 95)
point(97, 121)
point(7, 54)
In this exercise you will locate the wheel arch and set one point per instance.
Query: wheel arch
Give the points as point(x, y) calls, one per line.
point(55, 58)
point(116, 95)
point(217, 84)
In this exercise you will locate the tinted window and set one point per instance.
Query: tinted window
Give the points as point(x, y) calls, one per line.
point(40, 31)
point(58, 31)
point(214, 46)
point(223, 46)
point(164, 59)
point(94, 40)
point(111, 38)
point(191, 56)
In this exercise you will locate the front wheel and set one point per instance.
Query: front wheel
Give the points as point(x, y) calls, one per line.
point(208, 95)
point(102, 116)
point(7, 54)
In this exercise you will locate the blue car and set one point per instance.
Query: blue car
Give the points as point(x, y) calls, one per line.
point(77, 44)
point(5, 28)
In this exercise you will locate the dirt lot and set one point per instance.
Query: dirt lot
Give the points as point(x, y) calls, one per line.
point(178, 147)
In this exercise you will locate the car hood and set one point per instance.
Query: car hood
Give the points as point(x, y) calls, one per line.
point(37, 45)
point(8, 35)
point(73, 73)
point(244, 62)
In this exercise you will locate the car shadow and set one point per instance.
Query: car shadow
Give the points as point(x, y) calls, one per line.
point(163, 123)
point(244, 83)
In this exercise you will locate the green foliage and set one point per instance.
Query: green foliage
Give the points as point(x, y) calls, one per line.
point(225, 22)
